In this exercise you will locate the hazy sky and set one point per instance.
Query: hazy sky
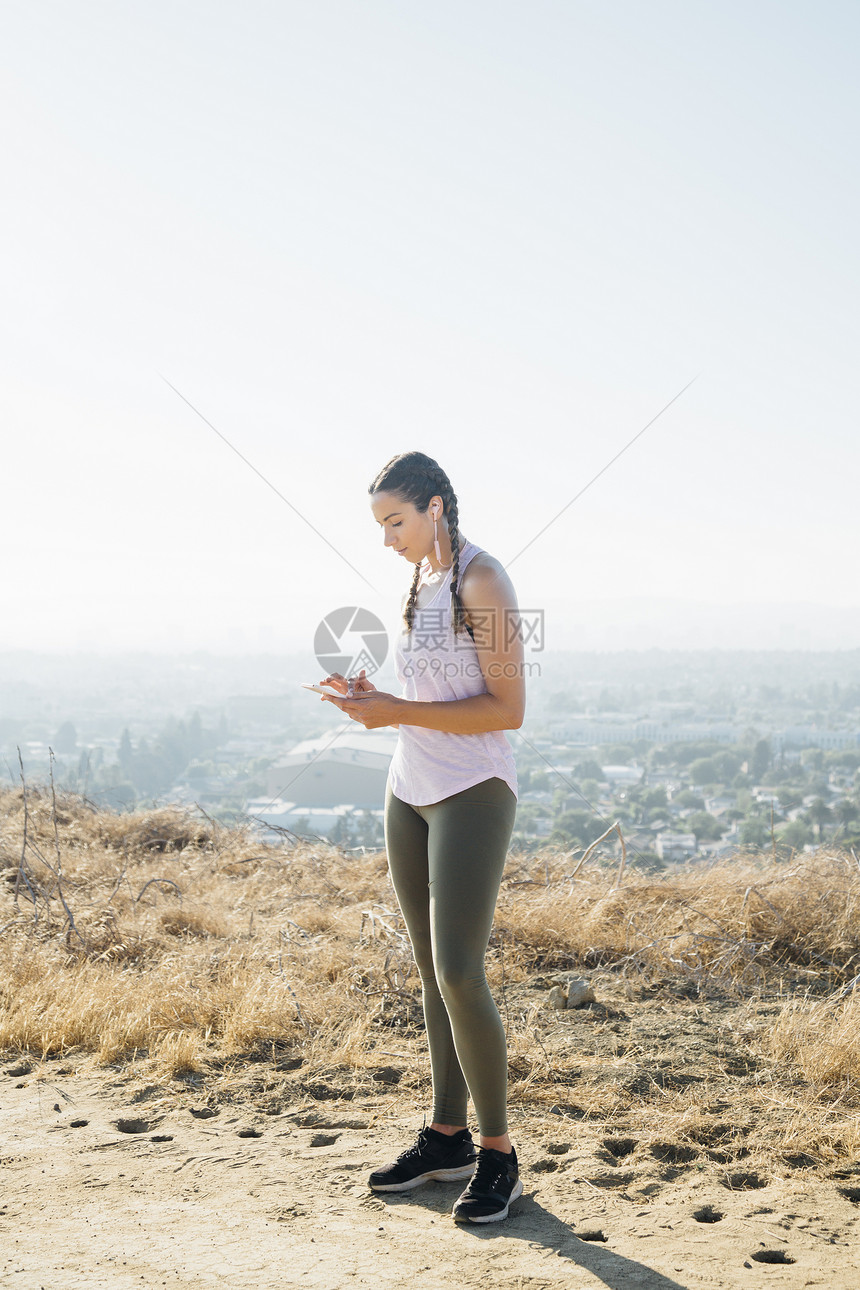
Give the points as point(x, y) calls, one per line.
point(506, 234)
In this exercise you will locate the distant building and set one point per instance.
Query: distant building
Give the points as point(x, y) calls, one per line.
point(622, 774)
point(348, 821)
point(815, 737)
point(348, 765)
point(676, 846)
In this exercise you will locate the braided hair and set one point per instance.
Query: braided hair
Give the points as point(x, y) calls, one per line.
point(416, 478)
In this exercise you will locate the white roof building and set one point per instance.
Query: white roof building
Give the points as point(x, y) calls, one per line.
point(346, 765)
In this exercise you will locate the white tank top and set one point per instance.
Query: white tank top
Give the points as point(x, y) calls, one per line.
point(432, 664)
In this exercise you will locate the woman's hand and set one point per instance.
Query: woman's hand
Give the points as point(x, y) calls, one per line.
point(372, 710)
point(348, 686)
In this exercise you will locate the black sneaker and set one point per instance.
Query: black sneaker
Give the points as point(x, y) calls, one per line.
point(495, 1183)
point(447, 1158)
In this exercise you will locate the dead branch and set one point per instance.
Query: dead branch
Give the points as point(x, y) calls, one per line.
point(169, 882)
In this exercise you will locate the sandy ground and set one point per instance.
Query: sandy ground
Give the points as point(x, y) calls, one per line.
point(108, 1184)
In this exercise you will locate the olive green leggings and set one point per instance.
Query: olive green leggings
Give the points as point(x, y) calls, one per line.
point(446, 862)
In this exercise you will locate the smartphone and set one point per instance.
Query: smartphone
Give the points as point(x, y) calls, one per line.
point(323, 689)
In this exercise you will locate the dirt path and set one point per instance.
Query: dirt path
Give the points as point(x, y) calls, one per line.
point(102, 1191)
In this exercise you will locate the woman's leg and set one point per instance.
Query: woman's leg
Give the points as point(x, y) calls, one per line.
point(467, 846)
point(406, 844)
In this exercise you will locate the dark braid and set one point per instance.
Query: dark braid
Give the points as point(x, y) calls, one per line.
point(416, 478)
point(458, 613)
point(409, 610)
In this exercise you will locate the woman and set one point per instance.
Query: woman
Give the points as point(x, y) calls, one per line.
point(449, 812)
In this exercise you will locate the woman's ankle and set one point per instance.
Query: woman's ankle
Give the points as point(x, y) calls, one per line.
point(448, 1129)
point(500, 1143)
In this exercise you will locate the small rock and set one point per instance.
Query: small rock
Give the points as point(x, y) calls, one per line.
point(557, 997)
point(324, 1139)
point(387, 1075)
point(578, 993)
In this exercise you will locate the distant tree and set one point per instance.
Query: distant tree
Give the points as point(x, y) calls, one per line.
point(794, 833)
point(706, 827)
point(577, 826)
point(687, 753)
point(588, 769)
point(761, 758)
point(754, 832)
point(846, 811)
point(704, 771)
point(819, 814)
point(126, 752)
point(653, 798)
point(339, 833)
point(688, 800)
point(66, 738)
point(728, 763)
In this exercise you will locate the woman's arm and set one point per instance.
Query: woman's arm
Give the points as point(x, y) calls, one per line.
point(490, 602)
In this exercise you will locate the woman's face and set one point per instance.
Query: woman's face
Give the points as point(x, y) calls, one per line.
point(406, 529)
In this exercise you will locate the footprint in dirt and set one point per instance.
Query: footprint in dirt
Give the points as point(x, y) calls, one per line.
point(772, 1256)
point(744, 1182)
point(612, 1180)
point(128, 1124)
point(707, 1214)
point(619, 1148)
point(19, 1069)
point(673, 1153)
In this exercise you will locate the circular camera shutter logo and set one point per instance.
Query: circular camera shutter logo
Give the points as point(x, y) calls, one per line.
point(350, 639)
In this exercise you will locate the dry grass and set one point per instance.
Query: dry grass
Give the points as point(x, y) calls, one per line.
point(170, 945)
